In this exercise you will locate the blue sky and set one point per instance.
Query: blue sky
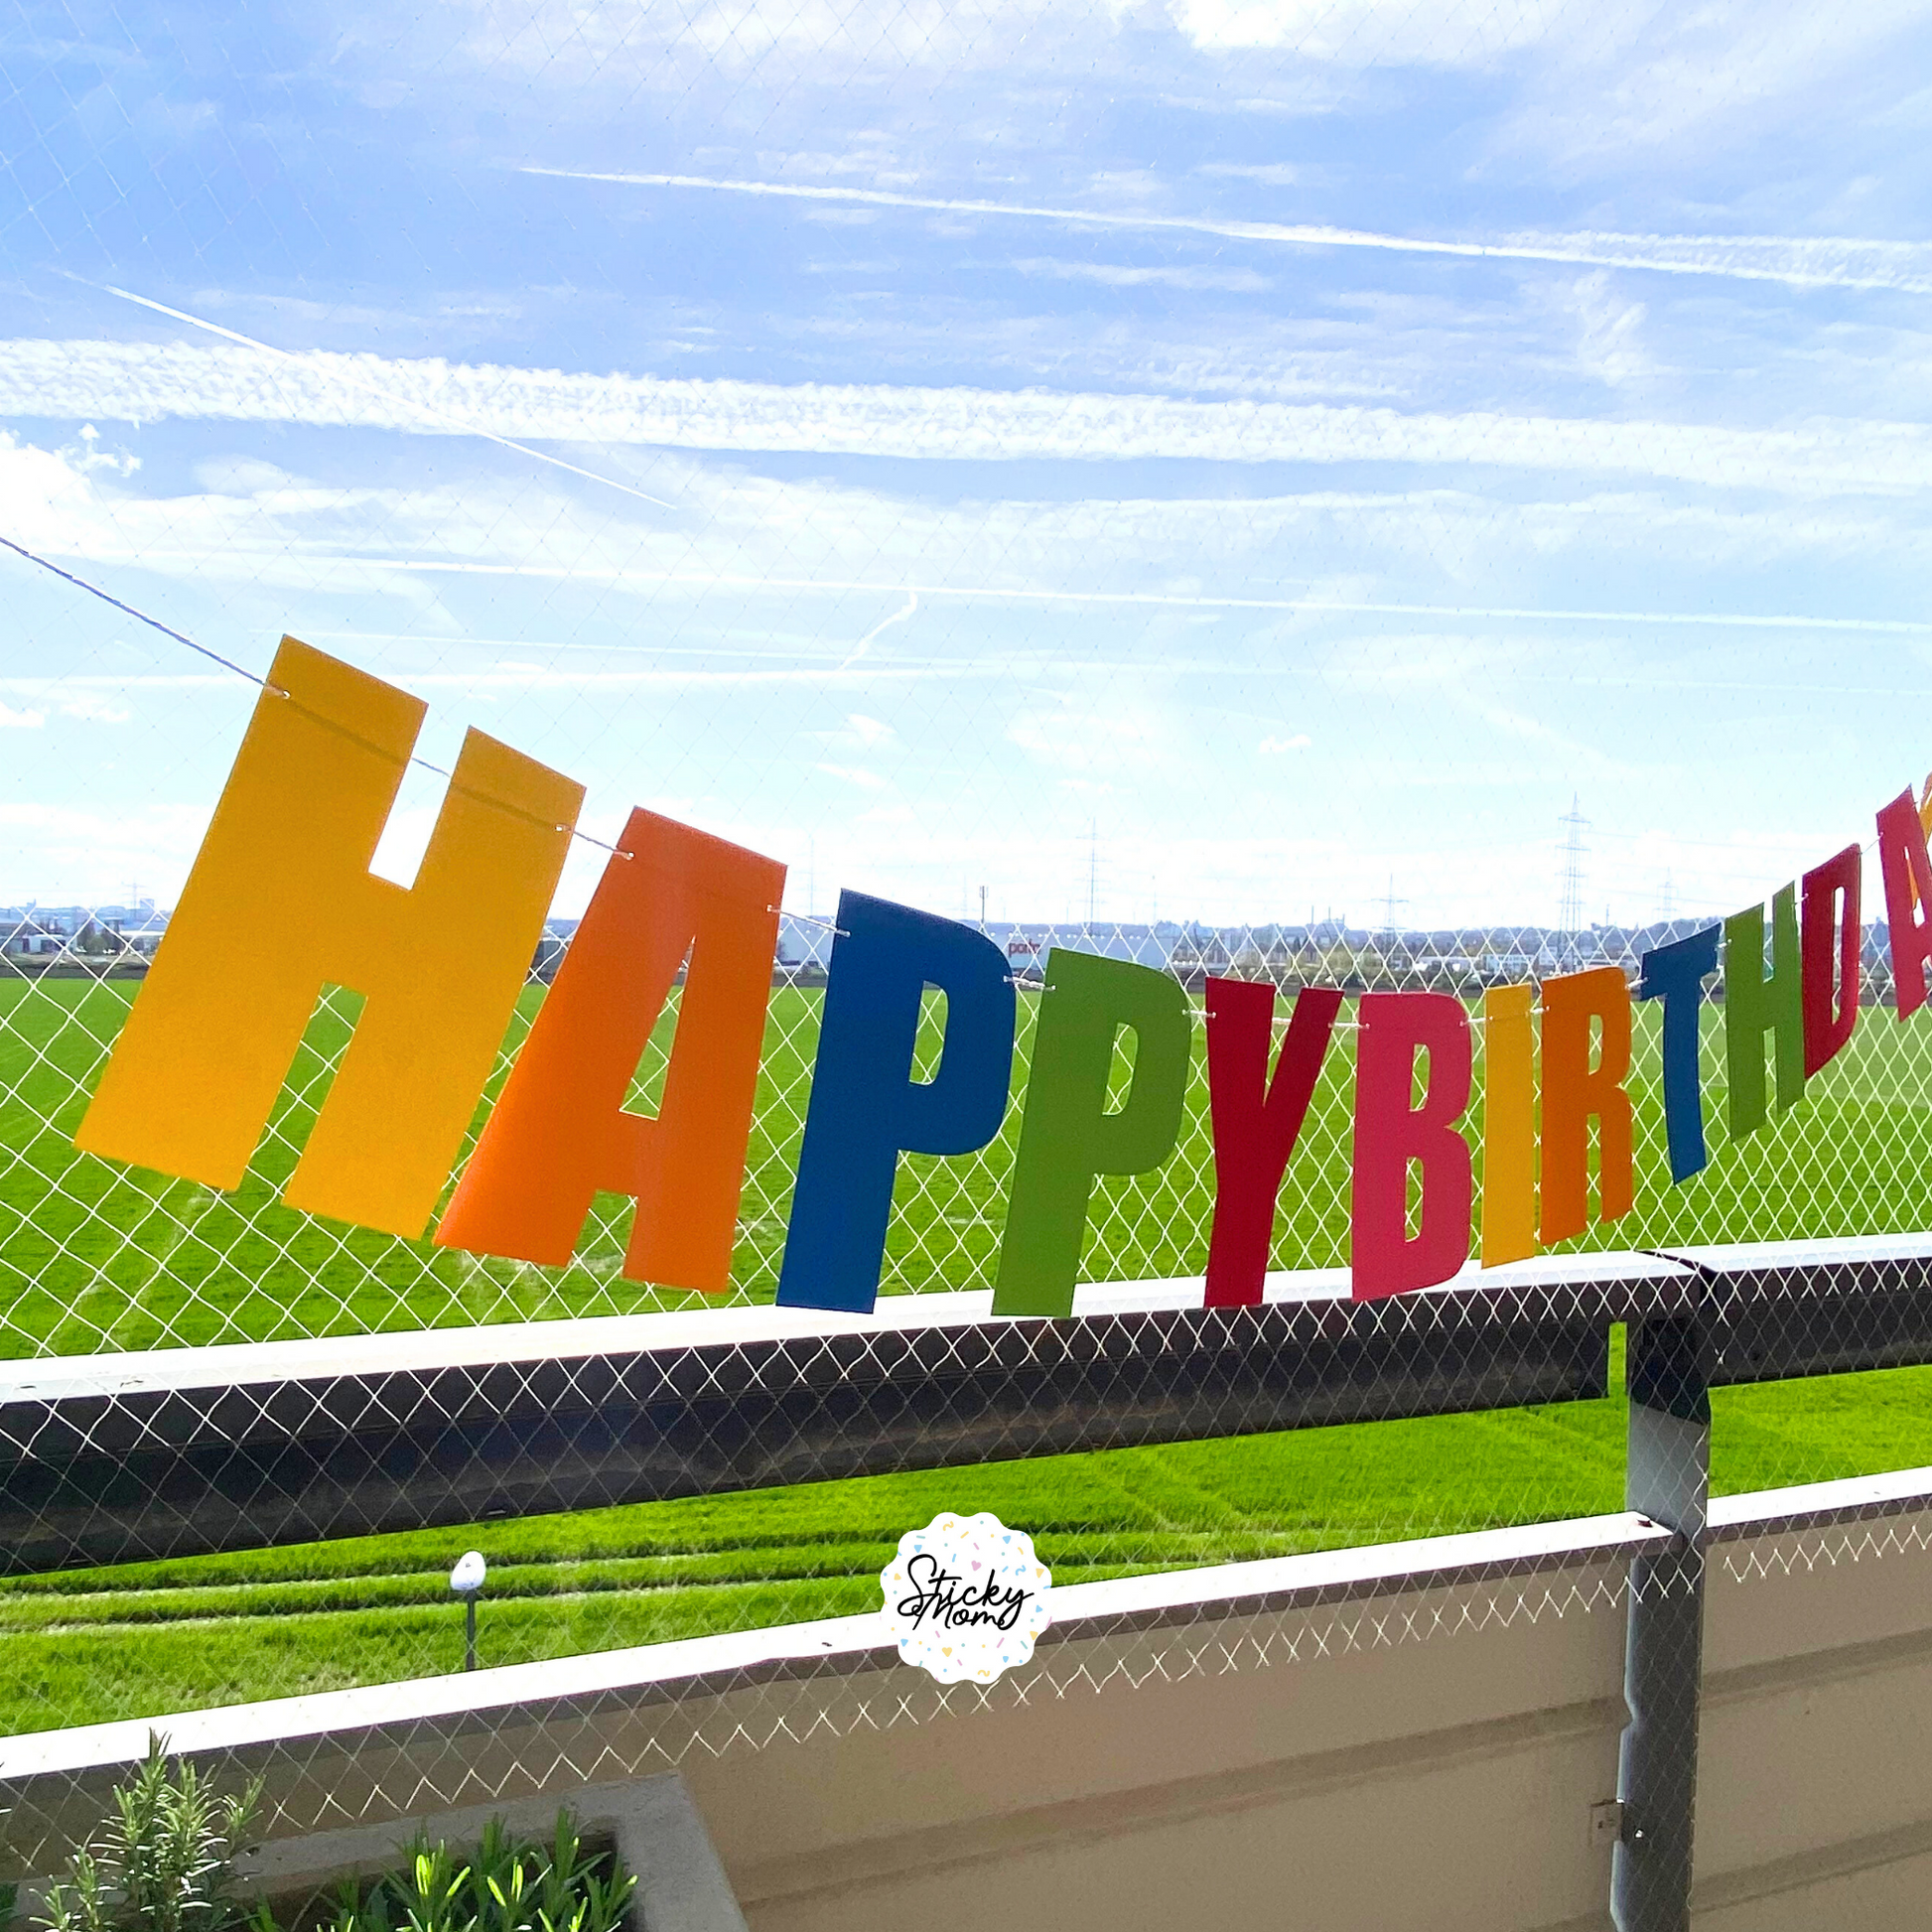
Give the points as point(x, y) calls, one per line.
point(1285, 450)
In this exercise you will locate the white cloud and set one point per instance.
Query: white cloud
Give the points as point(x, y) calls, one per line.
point(1650, 79)
point(1272, 746)
point(853, 776)
point(1240, 281)
point(1370, 33)
point(91, 456)
point(1608, 345)
point(1270, 174)
point(859, 732)
point(11, 720)
point(616, 48)
point(58, 851)
point(94, 709)
point(148, 381)
point(890, 620)
point(1802, 261)
point(45, 495)
point(819, 558)
point(242, 476)
point(1120, 735)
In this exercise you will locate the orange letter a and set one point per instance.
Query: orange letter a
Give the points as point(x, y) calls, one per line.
point(561, 1132)
point(281, 901)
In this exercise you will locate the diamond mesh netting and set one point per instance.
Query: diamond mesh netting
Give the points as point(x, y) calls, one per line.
point(1022, 461)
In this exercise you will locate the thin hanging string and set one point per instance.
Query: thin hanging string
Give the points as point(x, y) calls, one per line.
point(140, 617)
point(255, 678)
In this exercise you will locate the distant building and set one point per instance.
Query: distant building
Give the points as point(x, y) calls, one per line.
point(77, 939)
point(1025, 958)
point(805, 950)
point(552, 945)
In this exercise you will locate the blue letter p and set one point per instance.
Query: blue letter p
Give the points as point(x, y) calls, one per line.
point(867, 1109)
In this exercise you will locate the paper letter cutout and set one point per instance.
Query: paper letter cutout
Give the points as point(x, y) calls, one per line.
point(1257, 1121)
point(1508, 1124)
point(1676, 973)
point(281, 901)
point(1066, 1138)
point(1924, 820)
point(1574, 1090)
point(867, 1109)
point(560, 1133)
point(1831, 907)
point(1755, 1006)
point(1908, 894)
point(1389, 1134)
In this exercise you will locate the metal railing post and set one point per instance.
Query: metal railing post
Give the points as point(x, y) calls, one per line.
point(1668, 1479)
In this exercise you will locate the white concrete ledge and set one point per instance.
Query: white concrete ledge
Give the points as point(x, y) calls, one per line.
point(1832, 1251)
point(849, 1644)
point(1817, 1505)
point(56, 1378)
point(1080, 1610)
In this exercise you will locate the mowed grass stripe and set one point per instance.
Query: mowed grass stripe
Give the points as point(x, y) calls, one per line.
point(143, 1639)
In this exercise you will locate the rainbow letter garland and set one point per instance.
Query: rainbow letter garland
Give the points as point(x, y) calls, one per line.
point(281, 900)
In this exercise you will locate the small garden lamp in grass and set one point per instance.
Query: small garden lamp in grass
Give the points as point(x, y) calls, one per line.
point(467, 1580)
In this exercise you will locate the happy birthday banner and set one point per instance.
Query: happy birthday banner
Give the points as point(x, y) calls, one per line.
point(281, 901)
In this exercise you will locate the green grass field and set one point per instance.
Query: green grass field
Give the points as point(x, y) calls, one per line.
point(95, 1256)
point(92, 1257)
point(148, 1638)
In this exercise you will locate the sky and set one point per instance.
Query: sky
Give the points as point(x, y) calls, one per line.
point(1221, 458)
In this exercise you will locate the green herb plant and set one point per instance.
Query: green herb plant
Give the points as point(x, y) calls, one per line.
point(163, 1862)
point(507, 1885)
point(166, 1863)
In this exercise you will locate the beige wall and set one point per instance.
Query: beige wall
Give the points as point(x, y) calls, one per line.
point(1406, 1737)
point(1444, 1784)
point(1815, 1806)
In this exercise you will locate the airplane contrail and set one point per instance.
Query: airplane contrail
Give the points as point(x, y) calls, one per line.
point(864, 644)
point(153, 558)
point(463, 425)
point(1827, 261)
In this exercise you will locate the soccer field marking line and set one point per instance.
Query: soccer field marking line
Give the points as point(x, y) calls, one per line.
point(202, 1199)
